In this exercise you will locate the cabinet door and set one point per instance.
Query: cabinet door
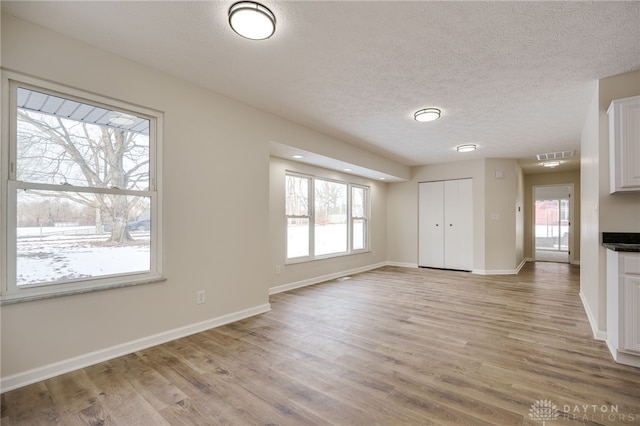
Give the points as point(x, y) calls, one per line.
point(624, 144)
point(431, 224)
point(458, 217)
point(630, 314)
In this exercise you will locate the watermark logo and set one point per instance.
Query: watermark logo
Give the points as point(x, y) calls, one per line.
point(543, 410)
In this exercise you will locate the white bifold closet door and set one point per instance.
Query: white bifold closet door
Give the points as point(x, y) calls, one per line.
point(445, 224)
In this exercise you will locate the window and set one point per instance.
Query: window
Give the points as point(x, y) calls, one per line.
point(330, 217)
point(359, 221)
point(80, 183)
point(298, 216)
point(325, 218)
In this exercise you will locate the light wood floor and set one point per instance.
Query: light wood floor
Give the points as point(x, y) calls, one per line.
point(388, 347)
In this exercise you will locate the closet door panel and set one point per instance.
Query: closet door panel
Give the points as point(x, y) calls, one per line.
point(458, 217)
point(451, 224)
point(465, 224)
point(431, 224)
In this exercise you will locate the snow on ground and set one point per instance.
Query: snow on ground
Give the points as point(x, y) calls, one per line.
point(47, 255)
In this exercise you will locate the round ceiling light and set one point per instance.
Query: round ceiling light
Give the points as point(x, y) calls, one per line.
point(551, 163)
point(252, 20)
point(467, 148)
point(427, 114)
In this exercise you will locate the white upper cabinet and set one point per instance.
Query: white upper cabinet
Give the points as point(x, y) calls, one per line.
point(624, 144)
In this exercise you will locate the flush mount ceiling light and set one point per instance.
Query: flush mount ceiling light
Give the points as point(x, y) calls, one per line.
point(427, 114)
point(467, 147)
point(551, 163)
point(297, 156)
point(252, 20)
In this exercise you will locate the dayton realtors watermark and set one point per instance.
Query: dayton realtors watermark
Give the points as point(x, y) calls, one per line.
point(544, 410)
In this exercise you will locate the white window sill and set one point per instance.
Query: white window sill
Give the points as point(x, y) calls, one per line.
point(17, 297)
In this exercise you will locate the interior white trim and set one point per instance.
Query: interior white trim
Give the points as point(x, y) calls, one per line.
point(627, 359)
point(315, 280)
point(403, 265)
point(46, 372)
point(495, 271)
point(597, 333)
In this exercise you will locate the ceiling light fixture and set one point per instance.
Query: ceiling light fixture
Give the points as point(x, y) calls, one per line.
point(252, 20)
point(467, 147)
point(551, 163)
point(298, 156)
point(427, 114)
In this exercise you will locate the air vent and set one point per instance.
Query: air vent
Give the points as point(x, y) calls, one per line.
point(555, 155)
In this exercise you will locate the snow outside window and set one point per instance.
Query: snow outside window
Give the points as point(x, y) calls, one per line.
point(81, 189)
point(325, 218)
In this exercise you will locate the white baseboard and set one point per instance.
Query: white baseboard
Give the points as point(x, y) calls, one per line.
point(403, 265)
point(495, 271)
point(627, 359)
point(597, 333)
point(46, 372)
point(315, 280)
point(503, 271)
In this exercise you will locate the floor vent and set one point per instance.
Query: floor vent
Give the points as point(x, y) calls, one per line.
point(555, 155)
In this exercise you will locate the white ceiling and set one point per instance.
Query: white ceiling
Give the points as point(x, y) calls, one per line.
point(515, 78)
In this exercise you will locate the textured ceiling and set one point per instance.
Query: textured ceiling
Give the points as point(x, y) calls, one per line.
point(515, 78)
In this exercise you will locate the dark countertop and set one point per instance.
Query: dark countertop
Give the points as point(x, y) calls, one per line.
point(622, 241)
point(633, 248)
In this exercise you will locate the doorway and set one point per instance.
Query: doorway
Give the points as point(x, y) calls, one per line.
point(552, 223)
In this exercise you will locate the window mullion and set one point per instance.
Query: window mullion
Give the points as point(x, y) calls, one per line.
point(312, 217)
point(72, 188)
point(349, 218)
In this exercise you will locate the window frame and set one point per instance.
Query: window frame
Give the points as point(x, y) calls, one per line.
point(309, 216)
point(10, 292)
point(350, 218)
point(364, 218)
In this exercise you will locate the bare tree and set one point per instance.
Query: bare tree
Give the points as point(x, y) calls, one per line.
point(330, 197)
point(56, 150)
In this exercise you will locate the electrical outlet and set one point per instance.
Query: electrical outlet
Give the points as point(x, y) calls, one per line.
point(200, 297)
point(277, 269)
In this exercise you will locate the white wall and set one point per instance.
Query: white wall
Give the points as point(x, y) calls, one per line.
point(503, 247)
point(402, 210)
point(295, 274)
point(497, 243)
point(520, 212)
point(601, 211)
point(213, 209)
point(216, 204)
